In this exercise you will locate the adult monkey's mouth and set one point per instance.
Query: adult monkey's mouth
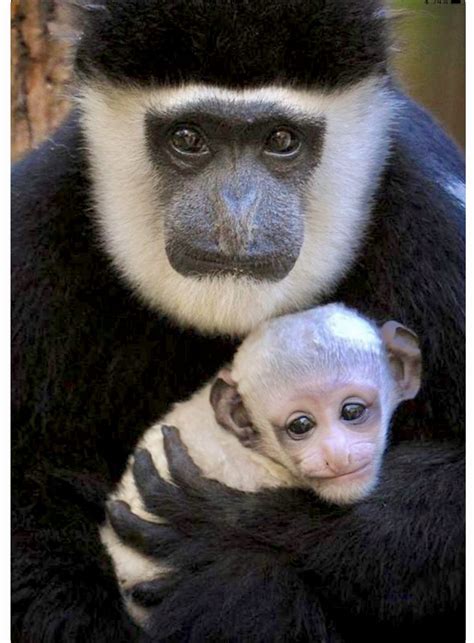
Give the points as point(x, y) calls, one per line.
point(190, 262)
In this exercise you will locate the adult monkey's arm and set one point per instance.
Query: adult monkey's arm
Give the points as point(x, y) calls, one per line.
point(280, 565)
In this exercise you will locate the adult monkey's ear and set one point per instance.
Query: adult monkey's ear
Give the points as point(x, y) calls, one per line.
point(404, 353)
point(229, 409)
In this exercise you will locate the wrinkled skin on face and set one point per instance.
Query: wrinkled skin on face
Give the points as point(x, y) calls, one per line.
point(232, 182)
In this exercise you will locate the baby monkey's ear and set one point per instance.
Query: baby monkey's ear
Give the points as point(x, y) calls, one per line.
point(229, 409)
point(404, 352)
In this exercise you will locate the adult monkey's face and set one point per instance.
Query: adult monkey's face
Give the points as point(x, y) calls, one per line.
point(232, 186)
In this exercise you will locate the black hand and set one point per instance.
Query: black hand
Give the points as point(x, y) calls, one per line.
point(194, 506)
point(191, 499)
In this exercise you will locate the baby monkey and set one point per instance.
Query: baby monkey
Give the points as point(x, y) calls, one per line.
point(315, 392)
point(306, 402)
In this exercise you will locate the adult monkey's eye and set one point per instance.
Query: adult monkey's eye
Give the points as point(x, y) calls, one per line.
point(353, 411)
point(300, 426)
point(188, 141)
point(282, 141)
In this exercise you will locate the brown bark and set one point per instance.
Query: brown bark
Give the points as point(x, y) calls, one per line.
point(40, 72)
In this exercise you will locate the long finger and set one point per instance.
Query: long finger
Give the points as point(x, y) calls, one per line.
point(182, 468)
point(161, 498)
point(147, 537)
point(154, 490)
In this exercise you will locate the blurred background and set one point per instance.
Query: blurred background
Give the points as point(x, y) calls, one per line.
point(430, 64)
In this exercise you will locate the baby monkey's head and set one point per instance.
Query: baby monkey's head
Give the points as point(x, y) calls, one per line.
point(315, 391)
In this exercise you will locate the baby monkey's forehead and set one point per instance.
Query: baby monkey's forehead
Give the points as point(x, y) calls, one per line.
point(320, 369)
point(332, 326)
point(326, 387)
point(329, 344)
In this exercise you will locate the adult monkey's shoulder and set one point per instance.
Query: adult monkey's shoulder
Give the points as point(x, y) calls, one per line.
point(414, 262)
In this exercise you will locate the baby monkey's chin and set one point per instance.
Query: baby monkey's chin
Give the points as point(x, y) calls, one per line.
point(347, 488)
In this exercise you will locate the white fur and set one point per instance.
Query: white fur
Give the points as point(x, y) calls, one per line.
point(345, 325)
point(126, 187)
point(261, 362)
point(220, 456)
point(457, 188)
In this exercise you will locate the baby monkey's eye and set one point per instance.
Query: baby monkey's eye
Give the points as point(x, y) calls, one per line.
point(300, 426)
point(353, 411)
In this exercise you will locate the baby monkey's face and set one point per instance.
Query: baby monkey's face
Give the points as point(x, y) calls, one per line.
point(331, 436)
point(326, 419)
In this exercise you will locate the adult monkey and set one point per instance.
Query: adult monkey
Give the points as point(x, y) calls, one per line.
point(268, 142)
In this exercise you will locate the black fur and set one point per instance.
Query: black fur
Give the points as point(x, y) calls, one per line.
point(268, 567)
point(224, 42)
point(92, 367)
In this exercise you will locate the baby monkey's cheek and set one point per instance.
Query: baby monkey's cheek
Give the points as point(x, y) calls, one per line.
point(361, 452)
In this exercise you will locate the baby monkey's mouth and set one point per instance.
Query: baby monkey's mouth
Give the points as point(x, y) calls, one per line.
point(348, 474)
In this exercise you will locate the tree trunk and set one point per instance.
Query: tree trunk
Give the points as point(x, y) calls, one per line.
point(40, 72)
